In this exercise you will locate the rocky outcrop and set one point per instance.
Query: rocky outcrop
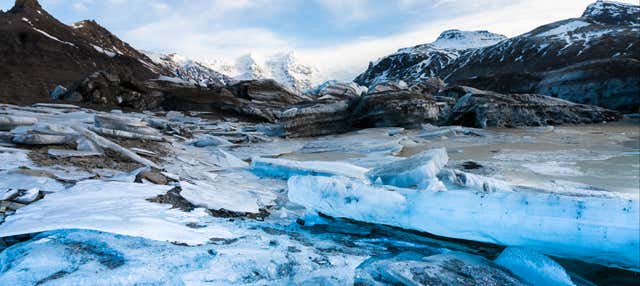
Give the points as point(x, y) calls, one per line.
point(107, 90)
point(482, 109)
point(315, 119)
point(38, 53)
point(395, 108)
point(610, 83)
point(431, 86)
point(267, 91)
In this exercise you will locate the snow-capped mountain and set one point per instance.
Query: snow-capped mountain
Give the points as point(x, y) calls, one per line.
point(190, 70)
point(285, 68)
point(415, 63)
point(593, 59)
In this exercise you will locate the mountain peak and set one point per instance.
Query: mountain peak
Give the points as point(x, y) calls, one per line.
point(615, 13)
point(461, 40)
point(25, 5)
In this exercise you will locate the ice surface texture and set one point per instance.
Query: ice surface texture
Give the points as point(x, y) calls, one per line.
point(595, 228)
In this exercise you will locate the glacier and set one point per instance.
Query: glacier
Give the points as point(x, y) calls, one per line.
point(597, 227)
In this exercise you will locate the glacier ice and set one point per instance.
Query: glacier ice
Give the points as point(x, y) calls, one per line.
point(282, 168)
point(12, 180)
point(116, 207)
point(413, 171)
point(596, 227)
point(241, 192)
point(450, 268)
point(533, 267)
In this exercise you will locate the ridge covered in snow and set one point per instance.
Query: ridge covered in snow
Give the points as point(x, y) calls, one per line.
point(415, 63)
point(285, 68)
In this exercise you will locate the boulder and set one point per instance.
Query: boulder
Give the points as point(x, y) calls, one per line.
point(111, 90)
point(482, 109)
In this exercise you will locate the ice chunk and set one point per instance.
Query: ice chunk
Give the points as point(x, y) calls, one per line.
point(457, 178)
point(13, 159)
point(10, 180)
point(115, 207)
point(449, 131)
point(28, 196)
point(533, 267)
point(237, 192)
point(208, 140)
point(281, 168)
point(597, 227)
point(454, 268)
point(64, 153)
point(414, 171)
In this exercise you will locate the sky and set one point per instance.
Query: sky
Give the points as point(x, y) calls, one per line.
point(340, 37)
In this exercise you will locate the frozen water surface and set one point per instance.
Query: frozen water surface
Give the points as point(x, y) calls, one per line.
point(109, 233)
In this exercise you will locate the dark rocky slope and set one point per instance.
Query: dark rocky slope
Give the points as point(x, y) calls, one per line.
point(37, 53)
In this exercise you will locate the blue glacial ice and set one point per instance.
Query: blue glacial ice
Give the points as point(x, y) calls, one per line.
point(534, 267)
point(596, 227)
point(410, 172)
point(282, 168)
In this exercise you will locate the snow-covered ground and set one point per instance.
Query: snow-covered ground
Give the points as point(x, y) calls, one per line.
point(219, 218)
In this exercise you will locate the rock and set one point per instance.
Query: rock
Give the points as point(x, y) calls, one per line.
point(8, 122)
point(313, 120)
point(430, 86)
point(410, 268)
point(610, 83)
point(110, 90)
point(401, 108)
point(152, 176)
point(57, 92)
point(481, 109)
point(265, 90)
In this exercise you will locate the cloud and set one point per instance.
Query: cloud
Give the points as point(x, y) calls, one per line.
point(348, 11)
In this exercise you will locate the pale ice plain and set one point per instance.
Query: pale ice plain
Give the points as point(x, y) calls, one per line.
point(505, 207)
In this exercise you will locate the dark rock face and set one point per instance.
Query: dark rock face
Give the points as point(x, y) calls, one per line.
point(315, 119)
point(481, 109)
point(610, 83)
point(599, 50)
point(37, 53)
point(108, 90)
point(395, 108)
point(411, 268)
point(267, 91)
